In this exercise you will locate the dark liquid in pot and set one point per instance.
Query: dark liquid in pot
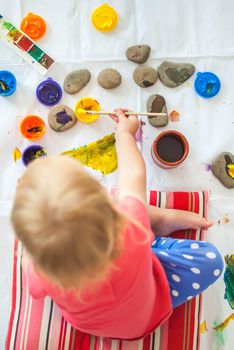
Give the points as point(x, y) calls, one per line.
point(170, 148)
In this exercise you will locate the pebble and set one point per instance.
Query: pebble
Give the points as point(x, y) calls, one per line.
point(145, 76)
point(109, 78)
point(157, 104)
point(61, 118)
point(174, 74)
point(138, 53)
point(220, 170)
point(76, 81)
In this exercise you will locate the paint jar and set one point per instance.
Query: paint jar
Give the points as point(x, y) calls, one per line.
point(48, 92)
point(207, 84)
point(33, 25)
point(33, 152)
point(169, 149)
point(7, 83)
point(87, 104)
point(32, 127)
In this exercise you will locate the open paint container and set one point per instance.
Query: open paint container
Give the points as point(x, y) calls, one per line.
point(48, 92)
point(32, 127)
point(170, 149)
point(7, 83)
point(32, 152)
point(207, 84)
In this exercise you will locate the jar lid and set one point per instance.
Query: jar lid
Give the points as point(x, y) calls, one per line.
point(104, 18)
point(49, 92)
point(33, 25)
point(207, 84)
point(32, 127)
point(87, 104)
point(7, 83)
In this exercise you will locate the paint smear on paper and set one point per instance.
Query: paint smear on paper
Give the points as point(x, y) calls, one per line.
point(203, 327)
point(229, 279)
point(174, 116)
point(207, 166)
point(16, 154)
point(99, 155)
point(225, 323)
point(220, 335)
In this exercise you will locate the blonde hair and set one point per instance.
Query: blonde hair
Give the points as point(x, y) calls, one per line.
point(67, 222)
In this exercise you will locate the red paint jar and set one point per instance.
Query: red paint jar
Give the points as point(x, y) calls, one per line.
point(169, 149)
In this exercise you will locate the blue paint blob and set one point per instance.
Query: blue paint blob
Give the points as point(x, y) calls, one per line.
point(7, 83)
point(63, 118)
point(207, 84)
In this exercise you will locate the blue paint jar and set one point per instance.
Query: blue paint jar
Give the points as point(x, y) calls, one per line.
point(7, 83)
point(207, 84)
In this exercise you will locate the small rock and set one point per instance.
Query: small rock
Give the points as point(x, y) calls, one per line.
point(157, 104)
point(109, 78)
point(76, 81)
point(61, 118)
point(220, 169)
point(174, 74)
point(138, 53)
point(145, 76)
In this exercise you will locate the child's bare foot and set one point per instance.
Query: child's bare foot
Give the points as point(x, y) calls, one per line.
point(166, 221)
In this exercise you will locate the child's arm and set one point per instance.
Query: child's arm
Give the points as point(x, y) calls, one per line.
point(131, 165)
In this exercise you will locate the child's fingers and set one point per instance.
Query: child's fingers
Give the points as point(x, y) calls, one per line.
point(114, 117)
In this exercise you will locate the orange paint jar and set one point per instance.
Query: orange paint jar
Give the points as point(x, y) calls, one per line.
point(33, 25)
point(32, 127)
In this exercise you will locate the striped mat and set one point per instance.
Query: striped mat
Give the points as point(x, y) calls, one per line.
point(38, 325)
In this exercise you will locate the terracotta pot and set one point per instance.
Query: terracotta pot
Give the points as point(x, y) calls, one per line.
point(170, 149)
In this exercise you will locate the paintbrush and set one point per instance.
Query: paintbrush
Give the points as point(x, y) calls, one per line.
point(150, 114)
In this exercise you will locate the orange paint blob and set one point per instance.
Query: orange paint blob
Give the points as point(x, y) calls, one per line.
point(33, 25)
point(174, 116)
point(32, 127)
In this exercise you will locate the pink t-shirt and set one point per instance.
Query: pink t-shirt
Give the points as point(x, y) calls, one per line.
point(132, 302)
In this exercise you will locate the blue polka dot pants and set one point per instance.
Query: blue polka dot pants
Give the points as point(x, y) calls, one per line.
point(190, 266)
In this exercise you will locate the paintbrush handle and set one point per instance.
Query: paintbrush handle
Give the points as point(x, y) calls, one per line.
point(128, 113)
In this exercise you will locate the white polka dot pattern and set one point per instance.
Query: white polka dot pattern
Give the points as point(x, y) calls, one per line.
point(174, 293)
point(211, 255)
point(194, 246)
point(176, 278)
point(196, 285)
point(186, 256)
point(195, 270)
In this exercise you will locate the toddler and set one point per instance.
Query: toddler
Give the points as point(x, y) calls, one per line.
point(97, 257)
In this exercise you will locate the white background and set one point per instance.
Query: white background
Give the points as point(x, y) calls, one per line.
point(195, 31)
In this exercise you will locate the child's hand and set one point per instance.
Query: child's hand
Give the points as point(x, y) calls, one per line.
point(127, 124)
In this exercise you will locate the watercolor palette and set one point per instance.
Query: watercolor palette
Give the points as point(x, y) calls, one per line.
point(24, 46)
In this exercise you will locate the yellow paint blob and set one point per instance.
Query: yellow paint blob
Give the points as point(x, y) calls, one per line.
point(231, 170)
point(16, 154)
point(225, 323)
point(104, 18)
point(99, 155)
point(88, 104)
point(203, 327)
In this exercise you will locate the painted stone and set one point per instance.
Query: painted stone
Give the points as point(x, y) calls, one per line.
point(174, 74)
point(157, 104)
point(76, 81)
point(61, 118)
point(109, 78)
point(223, 169)
point(138, 53)
point(145, 76)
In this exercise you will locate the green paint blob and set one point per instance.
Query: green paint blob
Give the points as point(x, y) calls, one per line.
point(7, 25)
point(220, 336)
point(229, 280)
point(36, 52)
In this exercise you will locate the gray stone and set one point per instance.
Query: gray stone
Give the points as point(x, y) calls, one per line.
point(157, 104)
point(76, 81)
point(220, 170)
point(138, 53)
point(174, 74)
point(61, 118)
point(109, 78)
point(145, 76)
